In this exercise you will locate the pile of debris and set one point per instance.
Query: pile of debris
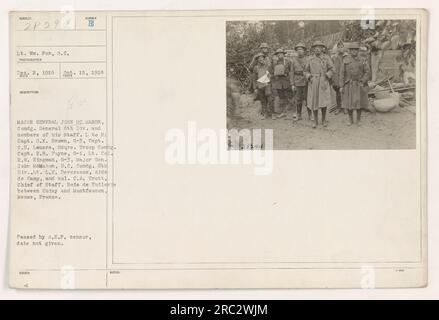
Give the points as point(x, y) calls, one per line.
point(387, 95)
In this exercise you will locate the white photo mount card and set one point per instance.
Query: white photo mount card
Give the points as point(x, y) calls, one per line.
point(146, 153)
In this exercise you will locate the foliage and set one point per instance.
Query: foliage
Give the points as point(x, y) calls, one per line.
point(243, 38)
point(242, 43)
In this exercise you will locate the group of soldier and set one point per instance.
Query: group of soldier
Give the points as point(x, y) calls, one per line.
point(307, 80)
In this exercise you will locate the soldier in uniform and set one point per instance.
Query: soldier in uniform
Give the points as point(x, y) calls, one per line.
point(299, 82)
point(281, 82)
point(337, 59)
point(319, 70)
point(354, 74)
point(263, 88)
point(264, 50)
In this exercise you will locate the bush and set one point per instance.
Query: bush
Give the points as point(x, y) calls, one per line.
point(242, 43)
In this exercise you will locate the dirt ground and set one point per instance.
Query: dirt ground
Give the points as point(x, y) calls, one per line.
point(393, 130)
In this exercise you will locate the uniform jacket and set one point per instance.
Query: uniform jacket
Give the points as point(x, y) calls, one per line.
point(281, 74)
point(259, 71)
point(297, 75)
point(354, 69)
point(338, 61)
point(254, 61)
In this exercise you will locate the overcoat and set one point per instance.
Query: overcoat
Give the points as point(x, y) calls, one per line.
point(354, 74)
point(319, 70)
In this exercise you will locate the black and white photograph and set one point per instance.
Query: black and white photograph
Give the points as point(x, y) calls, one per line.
point(324, 84)
point(275, 151)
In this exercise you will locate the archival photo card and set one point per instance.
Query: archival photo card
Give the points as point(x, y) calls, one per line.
point(218, 149)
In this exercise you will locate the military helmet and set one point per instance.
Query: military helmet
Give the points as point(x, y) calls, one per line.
point(318, 43)
point(407, 44)
point(263, 45)
point(300, 45)
point(280, 50)
point(259, 54)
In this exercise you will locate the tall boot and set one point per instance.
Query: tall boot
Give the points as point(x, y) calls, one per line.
point(316, 119)
point(359, 117)
point(270, 105)
point(309, 114)
point(276, 104)
point(338, 101)
point(299, 110)
point(351, 117)
point(324, 122)
point(283, 108)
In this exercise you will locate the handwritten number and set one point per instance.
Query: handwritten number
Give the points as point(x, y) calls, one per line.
point(36, 25)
